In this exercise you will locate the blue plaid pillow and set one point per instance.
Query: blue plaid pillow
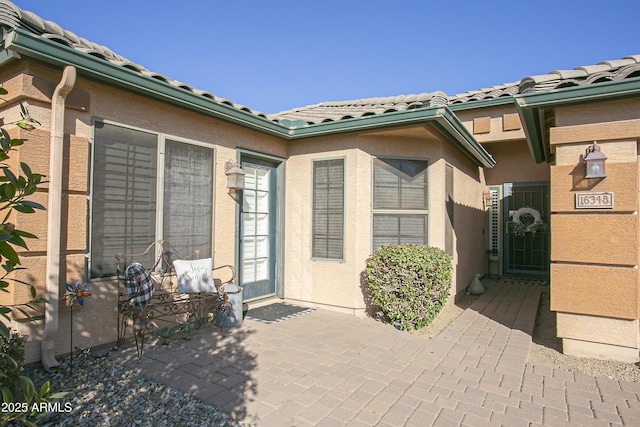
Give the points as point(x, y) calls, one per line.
point(138, 284)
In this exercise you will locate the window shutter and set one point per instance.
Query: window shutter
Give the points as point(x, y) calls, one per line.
point(188, 197)
point(328, 209)
point(494, 224)
point(123, 196)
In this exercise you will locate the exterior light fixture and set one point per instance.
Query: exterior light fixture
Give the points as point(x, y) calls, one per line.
point(594, 162)
point(235, 175)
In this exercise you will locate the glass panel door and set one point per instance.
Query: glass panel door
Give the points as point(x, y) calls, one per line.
point(257, 231)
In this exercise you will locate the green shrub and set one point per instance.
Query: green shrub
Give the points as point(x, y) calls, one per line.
point(410, 283)
point(11, 358)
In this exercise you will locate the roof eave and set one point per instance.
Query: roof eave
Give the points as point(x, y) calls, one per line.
point(47, 51)
point(50, 52)
point(441, 117)
point(531, 107)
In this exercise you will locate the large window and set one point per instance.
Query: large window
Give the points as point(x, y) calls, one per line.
point(128, 211)
point(328, 209)
point(400, 201)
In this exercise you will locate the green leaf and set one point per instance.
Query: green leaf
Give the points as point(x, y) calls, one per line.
point(7, 397)
point(8, 190)
point(45, 389)
point(32, 204)
point(61, 395)
point(24, 209)
point(8, 252)
point(17, 240)
point(10, 176)
point(23, 111)
point(28, 390)
point(25, 126)
point(25, 234)
point(26, 169)
point(3, 91)
point(16, 142)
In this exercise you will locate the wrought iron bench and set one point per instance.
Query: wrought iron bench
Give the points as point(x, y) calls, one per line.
point(149, 296)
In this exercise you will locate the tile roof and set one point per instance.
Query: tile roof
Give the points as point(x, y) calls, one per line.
point(627, 67)
point(13, 16)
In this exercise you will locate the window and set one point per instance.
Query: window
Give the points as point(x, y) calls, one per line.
point(328, 209)
point(400, 201)
point(128, 211)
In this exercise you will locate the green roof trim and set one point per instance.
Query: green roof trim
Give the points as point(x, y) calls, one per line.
point(531, 107)
point(441, 117)
point(59, 55)
point(50, 52)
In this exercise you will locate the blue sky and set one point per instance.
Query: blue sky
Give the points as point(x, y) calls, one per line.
point(276, 55)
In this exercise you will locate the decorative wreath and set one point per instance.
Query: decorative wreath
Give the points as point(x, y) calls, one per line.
point(526, 220)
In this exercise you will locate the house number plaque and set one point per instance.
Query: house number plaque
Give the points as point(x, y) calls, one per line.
point(602, 200)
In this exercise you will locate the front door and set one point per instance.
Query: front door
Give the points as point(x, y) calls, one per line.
point(257, 229)
point(526, 239)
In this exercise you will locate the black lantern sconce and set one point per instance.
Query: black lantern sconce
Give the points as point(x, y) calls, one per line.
point(594, 162)
point(235, 175)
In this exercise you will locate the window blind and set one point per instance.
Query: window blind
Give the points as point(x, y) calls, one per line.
point(123, 215)
point(328, 209)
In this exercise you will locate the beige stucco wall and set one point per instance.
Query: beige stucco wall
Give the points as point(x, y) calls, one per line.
point(339, 284)
point(594, 272)
point(33, 86)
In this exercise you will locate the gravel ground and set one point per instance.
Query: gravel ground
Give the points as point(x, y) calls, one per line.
point(108, 394)
point(546, 350)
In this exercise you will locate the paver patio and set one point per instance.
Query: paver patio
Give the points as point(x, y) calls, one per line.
point(331, 369)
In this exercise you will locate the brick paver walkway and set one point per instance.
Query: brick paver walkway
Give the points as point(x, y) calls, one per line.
point(330, 369)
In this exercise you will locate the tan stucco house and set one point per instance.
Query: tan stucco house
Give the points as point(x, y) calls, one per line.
point(143, 157)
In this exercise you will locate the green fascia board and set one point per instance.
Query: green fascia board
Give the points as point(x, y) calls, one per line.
point(446, 122)
point(50, 52)
point(531, 107)
point(595, 92)
point(534, 131)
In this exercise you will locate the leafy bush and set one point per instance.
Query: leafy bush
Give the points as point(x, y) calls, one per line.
point(410, 283)
point(15, 187)
point(12, 351)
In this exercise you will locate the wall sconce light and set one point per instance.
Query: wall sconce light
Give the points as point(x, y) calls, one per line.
point(235, 175)
point(594, 162)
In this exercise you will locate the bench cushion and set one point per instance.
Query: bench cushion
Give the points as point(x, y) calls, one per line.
point(194, 276)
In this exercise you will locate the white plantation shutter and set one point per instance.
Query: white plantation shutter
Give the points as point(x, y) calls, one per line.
point(494, 224)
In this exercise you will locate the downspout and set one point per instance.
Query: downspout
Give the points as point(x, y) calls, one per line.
point(68, 80)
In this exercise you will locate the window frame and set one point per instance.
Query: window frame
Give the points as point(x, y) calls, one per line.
point(426, 213)
point(160, 184)
point(344, 208)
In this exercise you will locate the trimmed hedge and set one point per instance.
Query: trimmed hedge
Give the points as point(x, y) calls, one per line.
point(410, 283)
